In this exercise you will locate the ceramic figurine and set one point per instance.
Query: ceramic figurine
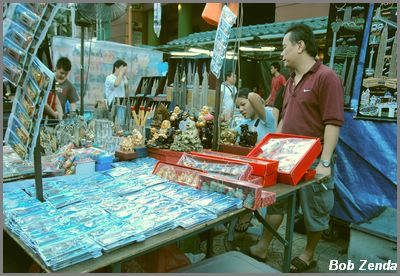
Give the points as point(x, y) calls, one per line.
point(188, 140)
point(176, 117)
point(228, 136)
point(163, 137)
point(160, 115)
point(247, 138)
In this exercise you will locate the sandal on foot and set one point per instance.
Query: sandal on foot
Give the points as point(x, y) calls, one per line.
point(244, 222)
point(301, 266)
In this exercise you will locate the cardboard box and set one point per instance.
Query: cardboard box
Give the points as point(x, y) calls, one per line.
point(304, 151)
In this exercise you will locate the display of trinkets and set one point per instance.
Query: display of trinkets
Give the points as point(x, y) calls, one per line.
point(344, 37)
point(378, 95)
point(287, 151)
point(225, 168)
point(83, 217)
point(188, 139)
point(176, 173)
point(227, 136)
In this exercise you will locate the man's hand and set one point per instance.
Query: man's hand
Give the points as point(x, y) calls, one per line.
point(326, 173)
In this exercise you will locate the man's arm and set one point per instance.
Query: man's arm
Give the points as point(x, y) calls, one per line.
point(331, 137)
point(120, 76)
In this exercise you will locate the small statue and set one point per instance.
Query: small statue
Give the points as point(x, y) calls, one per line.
point(204, 116)
point(228, 136)
point(247, 138)
point(126, 144)
point(206, 134)
point(188, 140)
point(137, 138)
point(163, 137)
point(160, 115)
point(176, 117)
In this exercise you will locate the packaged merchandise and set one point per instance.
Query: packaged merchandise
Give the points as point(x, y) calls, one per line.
point(12, 71)
point(14, 52)
point(16, 33)
point(24, 16)
point(295, 154)
point(235, 170)
point(177, 173)
point(19, 129)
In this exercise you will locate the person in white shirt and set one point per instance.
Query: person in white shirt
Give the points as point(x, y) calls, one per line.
point(116, 83)
point(228, 93)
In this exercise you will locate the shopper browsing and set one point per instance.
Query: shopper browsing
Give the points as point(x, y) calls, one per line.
point(258, 117)
point(64, 90)
point(278, 80)
point(313, 106)
point(116, 83)
point(228, 93)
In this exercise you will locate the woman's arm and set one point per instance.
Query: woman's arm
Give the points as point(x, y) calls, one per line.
point(258, 104)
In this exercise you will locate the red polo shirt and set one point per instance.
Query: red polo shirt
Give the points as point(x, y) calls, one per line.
point(316, 101)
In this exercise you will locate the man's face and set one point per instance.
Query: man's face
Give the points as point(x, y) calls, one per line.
point(232, 79)
point(61, 75)
point(273, 70)
point(290, 52)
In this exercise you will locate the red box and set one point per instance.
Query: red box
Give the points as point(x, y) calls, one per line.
point(234, 149)
point(266, 169)
point(169, 156)
point(301, 165)
point(243, 171)
point(182, 175)
point(248, 192)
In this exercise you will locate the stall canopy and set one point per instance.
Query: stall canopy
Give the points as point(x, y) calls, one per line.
point(271, 34)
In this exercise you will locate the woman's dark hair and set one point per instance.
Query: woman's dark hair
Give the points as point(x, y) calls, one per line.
point(244, 92)
point(118, 64)
point(303, 32)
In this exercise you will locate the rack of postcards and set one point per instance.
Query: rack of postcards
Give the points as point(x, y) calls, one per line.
point(25, 27)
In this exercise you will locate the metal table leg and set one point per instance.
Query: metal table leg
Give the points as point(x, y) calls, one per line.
point(287, 256)
point(116, 267)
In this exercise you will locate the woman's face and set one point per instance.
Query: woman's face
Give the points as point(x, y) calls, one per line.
point(245, 108)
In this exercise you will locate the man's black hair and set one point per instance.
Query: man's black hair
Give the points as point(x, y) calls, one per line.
point(277, 66)
point(64, 63)
point(118, 64)
point(303, 32)
point(228, 74)
point(244, 92)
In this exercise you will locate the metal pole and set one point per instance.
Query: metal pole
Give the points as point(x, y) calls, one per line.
point(37, 160)
point(216, 116)
point(82, 67)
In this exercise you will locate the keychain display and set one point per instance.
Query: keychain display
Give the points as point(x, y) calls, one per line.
point(378, 95)
point(344, 36)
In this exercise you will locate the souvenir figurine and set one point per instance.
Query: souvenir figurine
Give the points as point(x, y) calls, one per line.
point(164, 137)
point(176, 117)
point(160, 115)
point(188, 140)
point(247, 138)
point(228, 136)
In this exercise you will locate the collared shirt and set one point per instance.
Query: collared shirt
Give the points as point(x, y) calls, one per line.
point(110, 91)
point(316, 101)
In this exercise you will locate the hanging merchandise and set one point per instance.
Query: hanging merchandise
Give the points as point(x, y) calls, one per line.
point(204, 90)
point(344, 36)
point(157, 19)
point(378, 96)
point(227, 19)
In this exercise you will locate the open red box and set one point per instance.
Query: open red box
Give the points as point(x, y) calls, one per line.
point(177, 173)
point(266, 169)
point(292, 167)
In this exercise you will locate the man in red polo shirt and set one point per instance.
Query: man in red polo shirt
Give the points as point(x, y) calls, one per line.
point(312, 106)
point(277, 81)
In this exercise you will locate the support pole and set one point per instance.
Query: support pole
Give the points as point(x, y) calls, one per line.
point(82, 68)
point(216, 116)
point(37, 160)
